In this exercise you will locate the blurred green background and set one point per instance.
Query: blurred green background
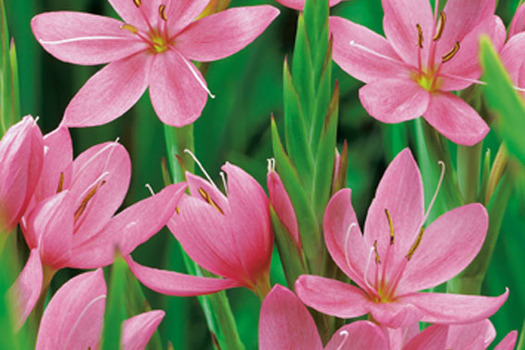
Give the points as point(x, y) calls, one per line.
point(235, 127)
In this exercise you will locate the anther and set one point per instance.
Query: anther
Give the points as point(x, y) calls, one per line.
point(419, 36)
point(416, 244)
point(441, 26)
point(449, 55)
point(177, 210)
point(137, 3)
point(60, 183)
point(378, 258)
point(162, 12)
point(86, 200)
point(130, 28)
point(390, 225)
point(206, 196)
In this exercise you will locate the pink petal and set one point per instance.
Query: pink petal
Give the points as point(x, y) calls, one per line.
point(225, 33)
point(394, 100)
point(448, 245)
point(285, 323)
point(518, 21)
point(432, 338)
point(21, 159)
point(512, 59)
point(138, 330)
point(182, 12)
point(107, 167)
point(282, 205)
point(74, 317)
point(177, 89)
point(83, 38)
point(27, 288)
point(358, 335)
point(299, 4)
point(401, 19)
point(109, 93)
point(178, 284)
point(332, 297)
point(481, 333)
point(129, 229)
point(455, 119)
point(455, 308)
point(139, 17)
point(344, 239)
point(508, 342)
point(395, 314)
point(364, 54)
point(196, 185)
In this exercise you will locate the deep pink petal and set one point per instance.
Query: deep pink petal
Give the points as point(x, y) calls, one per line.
point(455, 119)
point(332, 297)
point(130, 228)
point(83, 38)
point(27, 288)
point(282, 205)
point(448, 245)
point(518, 21)
point(358, 335)
point(432, 338)
point(401, 19)
point(182, 12)
point(364, 54)
point(178, 284)
point(508, 342)
point(395, 314)
point(105, 169)
point(394, 100)
point(455, 308)
point(299, 4)
point(109, 93)
point(480, 333)
point(511, 55)
point(74, 317)
point(285, 323)
point(344, 239)
point(197, 185)
point(225, 33)
point(177, 89)
point(138, 330)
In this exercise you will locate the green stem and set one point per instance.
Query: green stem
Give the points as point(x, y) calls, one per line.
point(468, 171)
point(38, 310)
point(3, 239)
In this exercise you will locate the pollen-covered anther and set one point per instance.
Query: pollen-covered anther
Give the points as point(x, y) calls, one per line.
point(390, 225)
point(129, 28)
point(177, 210)
point(60, 186)
point(449, 55)
point(162, 12)
point(137, 3)
point(416, 244)
point(85, 201)
point(378, 258)
point(206, 196)
point(419, 36)
point(440, 26)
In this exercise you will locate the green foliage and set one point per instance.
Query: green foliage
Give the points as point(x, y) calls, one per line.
point(115, 305)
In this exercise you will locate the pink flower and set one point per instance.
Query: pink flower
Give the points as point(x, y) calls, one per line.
point(512, 53)
point(229, 235)
point(152, 46)
point(285, 323)
point(75, 315)
point(21, 158)
point(299, 4)
point(397, 257)
point(72, 222)
point(422, 59)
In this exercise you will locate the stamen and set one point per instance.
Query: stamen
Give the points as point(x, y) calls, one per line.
point(201, 167)
point(419, 36)
point(352, 225)
point(83, 38)
point(271, 165)
point(196, 75)
point(137, 3)
point(366, 268)
point(441, 26)
point(177, 210)
point(206, 196)
point(378, 258)
point(372, 52)
point(60, 183)
point(86, 200)
point(441, 176)
point(416, 244)
point(448, 56)
point(224, 183)
point(148, 186)
point(391, 225)
point(130, 28)
point(344, 334)
point(162, 12)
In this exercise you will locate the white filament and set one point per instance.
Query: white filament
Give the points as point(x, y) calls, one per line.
point(82, 38)
point(196, 75)
point(344, 334)
point(148, 186)
point(375, 53)
point(79, 318)
point(224, 183)
point(201, 167)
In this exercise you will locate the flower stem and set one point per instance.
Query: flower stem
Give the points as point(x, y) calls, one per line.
point(38, 310)
point(468, 171)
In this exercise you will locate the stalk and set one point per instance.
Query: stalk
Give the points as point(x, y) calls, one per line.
point(468, 170)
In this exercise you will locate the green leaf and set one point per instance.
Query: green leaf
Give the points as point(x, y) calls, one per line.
point(504, 99)
point(6, 117)
point(115, 306)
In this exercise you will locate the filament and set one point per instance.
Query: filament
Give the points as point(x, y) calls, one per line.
point(201, 167)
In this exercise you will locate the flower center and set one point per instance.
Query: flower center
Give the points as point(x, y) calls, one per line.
point(158, 42)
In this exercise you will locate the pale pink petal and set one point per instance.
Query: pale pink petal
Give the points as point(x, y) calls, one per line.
point(432, 338)
point(130, 228)
point(344, 239)
point(27, 288)
point(448, 245)
point(508, 342)
point(364, 54)
point(285, 323)
point(178, 284)
point(358, 335)
point(454, 308)
point(182, 12)
point(74, 317)
point(129, 12)
point(400, 25)
point(225, 33)
point(394, 100)
point(83, 38)
point(332, 297)
point(110, 92)
point(299, 4)
point(138, 330)
point(518, 21)
point(282, 205)
point(480, 333)
point(197, 185)
point(177, 89)
point(455, 119)
point(105, 169)
point(511, 55)
point(395, 314)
